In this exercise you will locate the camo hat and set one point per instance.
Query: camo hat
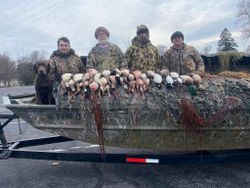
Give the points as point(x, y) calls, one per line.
point(101, 28)
point(142, 29)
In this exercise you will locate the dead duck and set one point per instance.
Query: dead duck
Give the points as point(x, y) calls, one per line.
point(103, 83)
point(77, 77)
point(179, 81)
point(197, 79)
point(92, 72)
point(112, 81)
point(157, 79)
point(124, 82)
point(65, 79)
point(187, 80)
point(107, 89)
point(93, 86)
point(125, 72)
point(71, 85)
point(106, 73)
point(132, 85)
point(137, 75)
point(131, 77)
point(174, 75)
point(144, 76)
point(97, 78)
point(164, 72)
point(146, 84)
point(115, 72)
point(85, 77)
point(150, 74)
point(169, 81)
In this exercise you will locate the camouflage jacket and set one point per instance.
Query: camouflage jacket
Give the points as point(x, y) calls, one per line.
point(106, 58)
point(184, 61)
point(142, 57)
point(61, 63)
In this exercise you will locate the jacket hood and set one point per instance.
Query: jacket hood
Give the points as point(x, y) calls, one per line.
point(137, 42)
point(62, 55)
point(184, 45)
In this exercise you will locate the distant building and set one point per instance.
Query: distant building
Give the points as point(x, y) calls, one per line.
point(13, 82)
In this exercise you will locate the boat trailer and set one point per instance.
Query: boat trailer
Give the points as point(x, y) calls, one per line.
point(8, 118)
point(18, 149)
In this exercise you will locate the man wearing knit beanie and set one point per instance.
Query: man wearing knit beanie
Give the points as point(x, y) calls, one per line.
point(182, 58)
point(142, 55)
point(103, 29)
point(105, 55)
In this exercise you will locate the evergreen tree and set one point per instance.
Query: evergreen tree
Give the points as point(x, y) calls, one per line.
point(226, 42)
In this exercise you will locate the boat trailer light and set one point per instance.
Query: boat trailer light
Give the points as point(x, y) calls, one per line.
point(141, 160)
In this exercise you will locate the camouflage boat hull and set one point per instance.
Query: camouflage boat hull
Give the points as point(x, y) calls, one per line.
point(152, 121)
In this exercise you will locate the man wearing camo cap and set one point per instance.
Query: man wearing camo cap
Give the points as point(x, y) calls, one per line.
point(105, 55)
point(142, 55)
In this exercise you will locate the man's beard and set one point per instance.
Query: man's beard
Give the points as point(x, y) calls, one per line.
point(65, 51)
point(144, 40)
point(103, 41)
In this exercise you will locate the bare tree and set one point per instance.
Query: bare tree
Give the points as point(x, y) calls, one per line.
point(248, 50)
point(7, 69)
point(206, 50)
point(37, 56)
point(25, 65)
point(32, 58)
point(161, 48)
point(26, 74)
point(243, 15)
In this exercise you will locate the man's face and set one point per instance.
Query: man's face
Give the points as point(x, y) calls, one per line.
point(63, 47)
point(144, 37)
point(177, 41)
point(102, 37)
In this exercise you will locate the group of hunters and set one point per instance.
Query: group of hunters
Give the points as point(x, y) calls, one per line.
point(142, 55)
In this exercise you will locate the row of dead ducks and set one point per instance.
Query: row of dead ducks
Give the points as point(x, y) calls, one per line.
point(132, 81)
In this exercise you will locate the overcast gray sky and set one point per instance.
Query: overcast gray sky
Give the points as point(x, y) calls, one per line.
point(37, 24)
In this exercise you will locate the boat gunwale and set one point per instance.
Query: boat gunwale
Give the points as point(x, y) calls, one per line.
point(30, 106)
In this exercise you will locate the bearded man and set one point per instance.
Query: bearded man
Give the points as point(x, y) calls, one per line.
point(142, 55)
point(105, 55)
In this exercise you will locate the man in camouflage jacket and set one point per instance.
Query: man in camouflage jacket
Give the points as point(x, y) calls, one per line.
point(105, 55)
point(64, 60)
point(142, 55)
point(182, 58)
